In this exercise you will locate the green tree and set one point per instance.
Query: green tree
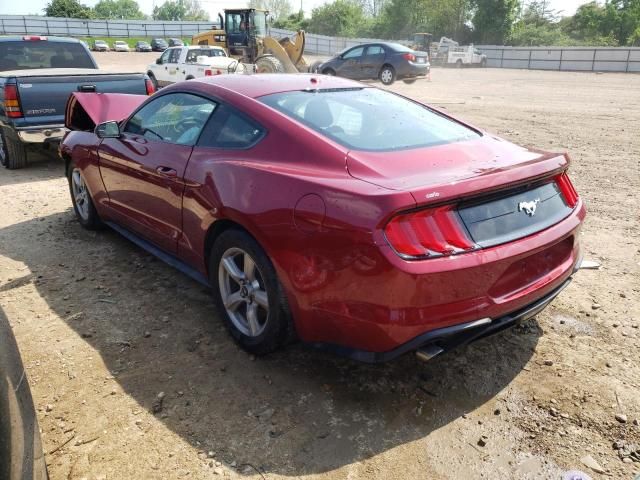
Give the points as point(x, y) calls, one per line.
point(279, 9)
point(68, 8)
point(180, 10)
point(493, 20)
point(342, 18)
point(118, 9)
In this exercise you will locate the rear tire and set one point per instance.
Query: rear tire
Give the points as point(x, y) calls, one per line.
point(483, 63)
point(387, 75)
point(81, 199)
point(269, 65)
point(244, 281)
point(329, 71)
point(13, 154)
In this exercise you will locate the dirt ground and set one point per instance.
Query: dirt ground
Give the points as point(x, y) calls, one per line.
point(104, 327)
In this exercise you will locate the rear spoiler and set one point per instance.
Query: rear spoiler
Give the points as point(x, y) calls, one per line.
point(86, 110)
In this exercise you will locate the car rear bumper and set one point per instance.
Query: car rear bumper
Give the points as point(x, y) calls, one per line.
point(382, 302)
point(50, 133)
point(411, 69)
point(442, 340)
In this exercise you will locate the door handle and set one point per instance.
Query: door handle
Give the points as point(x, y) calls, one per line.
point(166, 172)
point(86, 88)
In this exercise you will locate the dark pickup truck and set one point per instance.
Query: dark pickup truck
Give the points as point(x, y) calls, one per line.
point(37, 75)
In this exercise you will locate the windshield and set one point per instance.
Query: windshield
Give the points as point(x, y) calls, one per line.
point(27, 55)
point(260, 23)
point(369, 118)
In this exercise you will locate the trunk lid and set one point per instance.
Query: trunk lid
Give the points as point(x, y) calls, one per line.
point(453, 171)
point(86, 110)
point(44, 93)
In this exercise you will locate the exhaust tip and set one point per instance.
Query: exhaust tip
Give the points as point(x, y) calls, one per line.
point(427, 352)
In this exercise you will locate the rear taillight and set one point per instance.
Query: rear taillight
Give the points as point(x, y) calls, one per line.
point(567, 189)
point(33, 38)
point(208, 73)
point(149, 86)
point(12, 101)
point(409, 56)
point(428, 233)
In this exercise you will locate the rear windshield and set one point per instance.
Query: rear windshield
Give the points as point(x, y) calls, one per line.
point(27, 55)
point(369, 118)
point(397, 47)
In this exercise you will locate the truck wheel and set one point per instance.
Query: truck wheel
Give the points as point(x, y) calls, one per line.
point(13, 153)
point(269, 65)
point(459, 63)
point(248, 294)
point(387, 75)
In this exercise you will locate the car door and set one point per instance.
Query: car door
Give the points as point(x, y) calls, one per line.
point(161, 69)
point(351, 63)
point(143, 169)
point(372, 61)
point(173, 66)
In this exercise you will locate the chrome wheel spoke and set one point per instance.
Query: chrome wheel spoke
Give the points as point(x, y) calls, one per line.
point(261, 298)
point(233, 301)
point(233, 270)
point(252, 319)
point(249, 268)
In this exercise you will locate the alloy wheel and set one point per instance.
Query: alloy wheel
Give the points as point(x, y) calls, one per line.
point(80, 194)
point(243, 292)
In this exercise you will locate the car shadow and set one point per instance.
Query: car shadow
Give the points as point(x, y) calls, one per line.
point(295, 412)
point(42, 164)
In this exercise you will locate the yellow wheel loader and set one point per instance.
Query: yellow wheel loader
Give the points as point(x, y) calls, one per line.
point(245, 35)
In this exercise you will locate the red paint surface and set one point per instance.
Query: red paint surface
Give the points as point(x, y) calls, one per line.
point(344, 283)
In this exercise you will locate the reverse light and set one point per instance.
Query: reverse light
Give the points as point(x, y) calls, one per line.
point(428, 233)
point(12, 101)
point(149, 86)
point(568, 191)
point(409, 56)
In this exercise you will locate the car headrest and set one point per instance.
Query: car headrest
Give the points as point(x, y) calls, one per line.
point(318, 113)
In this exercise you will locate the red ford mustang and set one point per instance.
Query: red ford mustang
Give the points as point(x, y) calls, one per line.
point(322, 209)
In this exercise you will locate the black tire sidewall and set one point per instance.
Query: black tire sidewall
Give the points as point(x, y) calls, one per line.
point(278, 325)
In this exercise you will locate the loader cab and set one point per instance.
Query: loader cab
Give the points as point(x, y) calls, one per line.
point(422, 42)
point(244, 30)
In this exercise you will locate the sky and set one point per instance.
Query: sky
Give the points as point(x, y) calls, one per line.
point(26, 7)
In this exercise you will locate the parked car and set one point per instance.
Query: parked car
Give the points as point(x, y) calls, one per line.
point(143, 46)
point(322, 208)
point(120, 46)
point(186, 63)
point(159, 45)
point(34, 90)
point(21, 455)
point(100, 46)
point(387, 62)
point(175, 42)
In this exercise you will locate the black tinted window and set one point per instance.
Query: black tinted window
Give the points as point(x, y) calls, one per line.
point(369, 118)
point(30, 54)
point(173, 118)
point(230, 129)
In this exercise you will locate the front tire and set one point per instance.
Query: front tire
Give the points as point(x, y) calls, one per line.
point(81, 199)
point(387, 75)
point(269, 65)
point(248, 294)
point(13, 153)
point(329, 71)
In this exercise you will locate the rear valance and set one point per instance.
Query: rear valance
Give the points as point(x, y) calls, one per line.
point(86, 110)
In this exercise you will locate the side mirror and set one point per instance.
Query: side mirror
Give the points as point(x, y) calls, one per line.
point(158, 61)
point(109, 129)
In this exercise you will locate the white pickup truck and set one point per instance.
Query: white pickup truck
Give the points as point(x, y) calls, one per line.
point(467, 55)
point(184, 63)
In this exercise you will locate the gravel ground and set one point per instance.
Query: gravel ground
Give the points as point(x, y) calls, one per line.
point(134, 376)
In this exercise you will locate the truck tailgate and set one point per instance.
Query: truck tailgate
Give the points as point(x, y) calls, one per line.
point(43, 97)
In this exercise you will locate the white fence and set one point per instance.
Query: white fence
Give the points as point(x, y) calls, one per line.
point(76, 27)
point(605, 59)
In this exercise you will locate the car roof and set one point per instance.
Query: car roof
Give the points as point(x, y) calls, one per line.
point(14, 38)
point(265, 84)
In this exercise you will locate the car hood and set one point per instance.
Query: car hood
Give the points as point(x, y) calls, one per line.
point(86, 110)
point(442, 172)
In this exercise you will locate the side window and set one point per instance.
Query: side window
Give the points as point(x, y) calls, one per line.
point(230, 129)
point(174, 118)
point(355, 53)
point(175, 55)
point(164, 58)
point(375, 50)
point(192, 56)
point(203, 42)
